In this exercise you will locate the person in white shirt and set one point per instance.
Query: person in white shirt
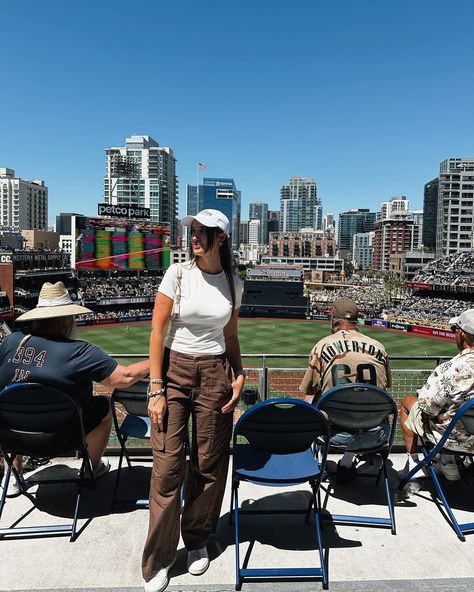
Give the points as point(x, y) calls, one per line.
point(195, 370)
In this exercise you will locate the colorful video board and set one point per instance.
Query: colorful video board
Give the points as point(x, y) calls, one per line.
point(115, 243)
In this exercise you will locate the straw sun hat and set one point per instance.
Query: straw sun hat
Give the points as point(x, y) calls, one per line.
point(54, 301)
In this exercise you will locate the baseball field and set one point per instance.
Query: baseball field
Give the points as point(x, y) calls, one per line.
point(268, 336)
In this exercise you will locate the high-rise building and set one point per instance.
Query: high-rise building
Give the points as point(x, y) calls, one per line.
point(273, 221)
point(222, 194)
point(310, 210)
point(328, 222)
point(350, 223)
point(363, 249)
point(254, 232)
point(63, 222)
point(396, 205)
point(454, 224)
point(417, 217)
point(430, 214)
point(259, 211)
point(393, 236)
point(142, 173)
point(193, 200)
point(23, 204)
point(289, 215)
point(244, 232)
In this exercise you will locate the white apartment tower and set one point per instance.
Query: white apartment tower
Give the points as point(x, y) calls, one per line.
point(259, 211)
point(254, 232)
point(328, 222)
point(143, 173)
point(397, 206)
point(455, 226)
point(23, 204)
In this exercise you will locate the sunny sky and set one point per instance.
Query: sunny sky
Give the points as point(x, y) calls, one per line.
point(365, 96)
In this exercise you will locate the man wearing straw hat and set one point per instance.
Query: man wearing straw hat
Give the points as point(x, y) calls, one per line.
point(50, 355)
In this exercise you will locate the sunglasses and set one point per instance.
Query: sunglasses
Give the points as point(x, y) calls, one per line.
point(454, 328)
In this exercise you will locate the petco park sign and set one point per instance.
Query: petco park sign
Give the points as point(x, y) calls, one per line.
point(105, 209)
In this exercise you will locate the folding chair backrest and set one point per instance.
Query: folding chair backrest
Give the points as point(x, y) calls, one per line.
point(468, 416)
point(38, 420)
point(357, 406)
point(282, 426)
point(133, 398)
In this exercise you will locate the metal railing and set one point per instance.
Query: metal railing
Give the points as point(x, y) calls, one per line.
point(279, 375)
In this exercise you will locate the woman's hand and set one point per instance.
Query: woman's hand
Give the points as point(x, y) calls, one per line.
point(156, 411)
point(237, 387)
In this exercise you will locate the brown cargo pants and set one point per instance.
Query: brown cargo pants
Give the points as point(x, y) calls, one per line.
point(197, 385)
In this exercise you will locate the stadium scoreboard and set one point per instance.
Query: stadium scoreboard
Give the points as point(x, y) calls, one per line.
point(119, 244)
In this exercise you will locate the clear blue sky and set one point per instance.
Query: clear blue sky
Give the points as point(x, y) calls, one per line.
point(366, 96)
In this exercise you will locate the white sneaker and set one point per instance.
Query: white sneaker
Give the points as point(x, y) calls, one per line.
point(198, 561)
point(159, 579)
point(104, 467)
point(409, 465)
point(13, 486)
point(448, 468)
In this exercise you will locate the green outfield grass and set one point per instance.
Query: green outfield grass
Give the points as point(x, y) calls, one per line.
point(276, 337)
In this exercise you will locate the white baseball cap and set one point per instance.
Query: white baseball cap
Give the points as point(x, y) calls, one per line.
point(210, 218)
point(465, 321)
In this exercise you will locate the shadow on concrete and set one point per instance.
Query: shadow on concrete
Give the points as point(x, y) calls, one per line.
point(458, 493)
point(287, 532)
point(59, 499)
point(363, 489)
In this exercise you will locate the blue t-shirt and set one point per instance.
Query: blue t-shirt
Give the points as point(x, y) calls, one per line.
point(67, 364)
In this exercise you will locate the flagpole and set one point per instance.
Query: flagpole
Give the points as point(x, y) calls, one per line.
point(197, 186)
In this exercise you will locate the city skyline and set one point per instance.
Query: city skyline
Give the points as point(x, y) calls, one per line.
point(339, 98)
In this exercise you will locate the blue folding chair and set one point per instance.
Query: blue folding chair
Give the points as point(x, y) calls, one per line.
point(279, 436)
point(38, 420)
point(357, 408)
point(136, 424)
point(465, 414)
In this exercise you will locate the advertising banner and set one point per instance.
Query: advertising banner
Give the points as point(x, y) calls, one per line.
point(434, 332)
point(379, 323)
point(127, 319)
point(398, 326)
point(104, 321)
point(416, 286)
point(320, 317)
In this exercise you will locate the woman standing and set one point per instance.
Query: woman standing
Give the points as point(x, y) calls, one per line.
point(194, 349)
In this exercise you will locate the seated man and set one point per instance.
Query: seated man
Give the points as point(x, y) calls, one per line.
point(347, 356)
point(52, 356)
point(449, 386)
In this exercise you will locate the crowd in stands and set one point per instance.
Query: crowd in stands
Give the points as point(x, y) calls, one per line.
point(118, 287)
point(454, 271)
point(370, 299)
point(117, 314)
point(428, 310)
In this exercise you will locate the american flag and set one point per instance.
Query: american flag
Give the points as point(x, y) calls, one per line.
point(202, 165)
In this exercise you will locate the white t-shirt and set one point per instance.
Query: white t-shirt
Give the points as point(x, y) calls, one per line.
point(204, 311)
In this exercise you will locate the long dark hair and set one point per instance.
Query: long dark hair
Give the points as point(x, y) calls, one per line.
point(212, 235)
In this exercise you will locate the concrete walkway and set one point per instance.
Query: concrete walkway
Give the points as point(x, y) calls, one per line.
point(424, 555)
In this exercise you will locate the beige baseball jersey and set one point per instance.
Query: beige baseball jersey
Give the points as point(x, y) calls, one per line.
point(345, 356)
